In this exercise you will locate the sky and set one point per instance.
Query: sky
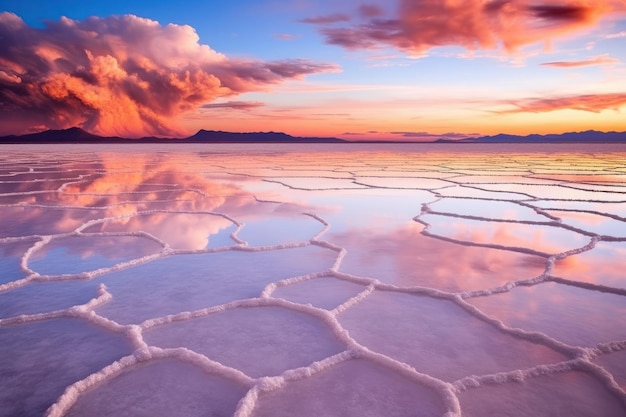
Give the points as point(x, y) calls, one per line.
point(380, 69)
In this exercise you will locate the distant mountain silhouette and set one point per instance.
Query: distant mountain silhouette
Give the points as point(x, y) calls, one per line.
point(78, 135)
point(590, 136)
point(215, 136)
point(71, 135)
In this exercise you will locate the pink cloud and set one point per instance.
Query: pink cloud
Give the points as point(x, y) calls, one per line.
point(285, 36)
point(370, 10)
point(419, 25)
point(598, 60)
point(120, 75)
point(594, 103)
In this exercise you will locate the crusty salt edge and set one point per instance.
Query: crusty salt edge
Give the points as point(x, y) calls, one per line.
point(545, 276)
point(360, 181)
point(520, 375)
point(533, 197)
point(564, 209)
point(94, 208)
point(147, 213)
point(38, 180)
point(271, 287)
point(246, 405)
point(588, 285)
point(166, 251)
point(81, 310)
point(321, 220)
point(354, 185)
point(531, 336)
point(331, 321)
point(28, 193)
point(354, 300)
point(426, 232)
point(444, 389)
point(551, 223)
point(73, 392)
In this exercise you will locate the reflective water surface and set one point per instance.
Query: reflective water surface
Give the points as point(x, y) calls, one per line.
point(352, 280)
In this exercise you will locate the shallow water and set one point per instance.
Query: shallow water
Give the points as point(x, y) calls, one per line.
point(353, 280)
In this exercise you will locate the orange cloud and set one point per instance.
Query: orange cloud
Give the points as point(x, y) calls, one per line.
point(120, 75)
point(599, 60)
point(420, 25)
point(594, 103)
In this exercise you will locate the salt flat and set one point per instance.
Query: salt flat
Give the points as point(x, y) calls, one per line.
point(270, 280)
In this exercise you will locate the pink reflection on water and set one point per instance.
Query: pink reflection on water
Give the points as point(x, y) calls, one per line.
point(439, 338)
point(405, 257)
point(598, 266)
point(76, 254)
point(179, 230)
point(543, 238)
point(570, 314)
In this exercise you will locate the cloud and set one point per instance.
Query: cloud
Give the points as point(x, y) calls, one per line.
point(323, 20)
point(594, 103)
point(285, 36)
point(370, 10)
point(598, 60)
point(120, 75)
point(618, 35)
point(431, 136)
point(419, 25)
point(235, 105)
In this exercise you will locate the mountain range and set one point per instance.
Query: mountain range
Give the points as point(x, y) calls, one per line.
point(78, 135)
point(589, 136)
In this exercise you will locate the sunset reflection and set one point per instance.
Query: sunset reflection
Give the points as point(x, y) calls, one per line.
point(597, 266)
point(405, 257)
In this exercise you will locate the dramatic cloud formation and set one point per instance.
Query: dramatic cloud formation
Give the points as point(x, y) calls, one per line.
point(420, 25)
point(120, 75)
point(594, 103)
point(598, 60)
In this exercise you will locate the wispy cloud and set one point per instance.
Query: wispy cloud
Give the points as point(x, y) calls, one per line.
point(594, 103)
point(453, 135)
point(598, 60)
point(285, 36)
point(121, 75)
point(419, 25)
point(324, 20)
point(234, 105)
point(616, 35)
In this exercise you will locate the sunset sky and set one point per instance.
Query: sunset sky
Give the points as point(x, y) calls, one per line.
point(397, 69)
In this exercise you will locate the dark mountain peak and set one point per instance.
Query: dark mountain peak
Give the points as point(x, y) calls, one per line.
point(217, 136)
point(70, 135)
point(589, 136)
point(78, 135)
